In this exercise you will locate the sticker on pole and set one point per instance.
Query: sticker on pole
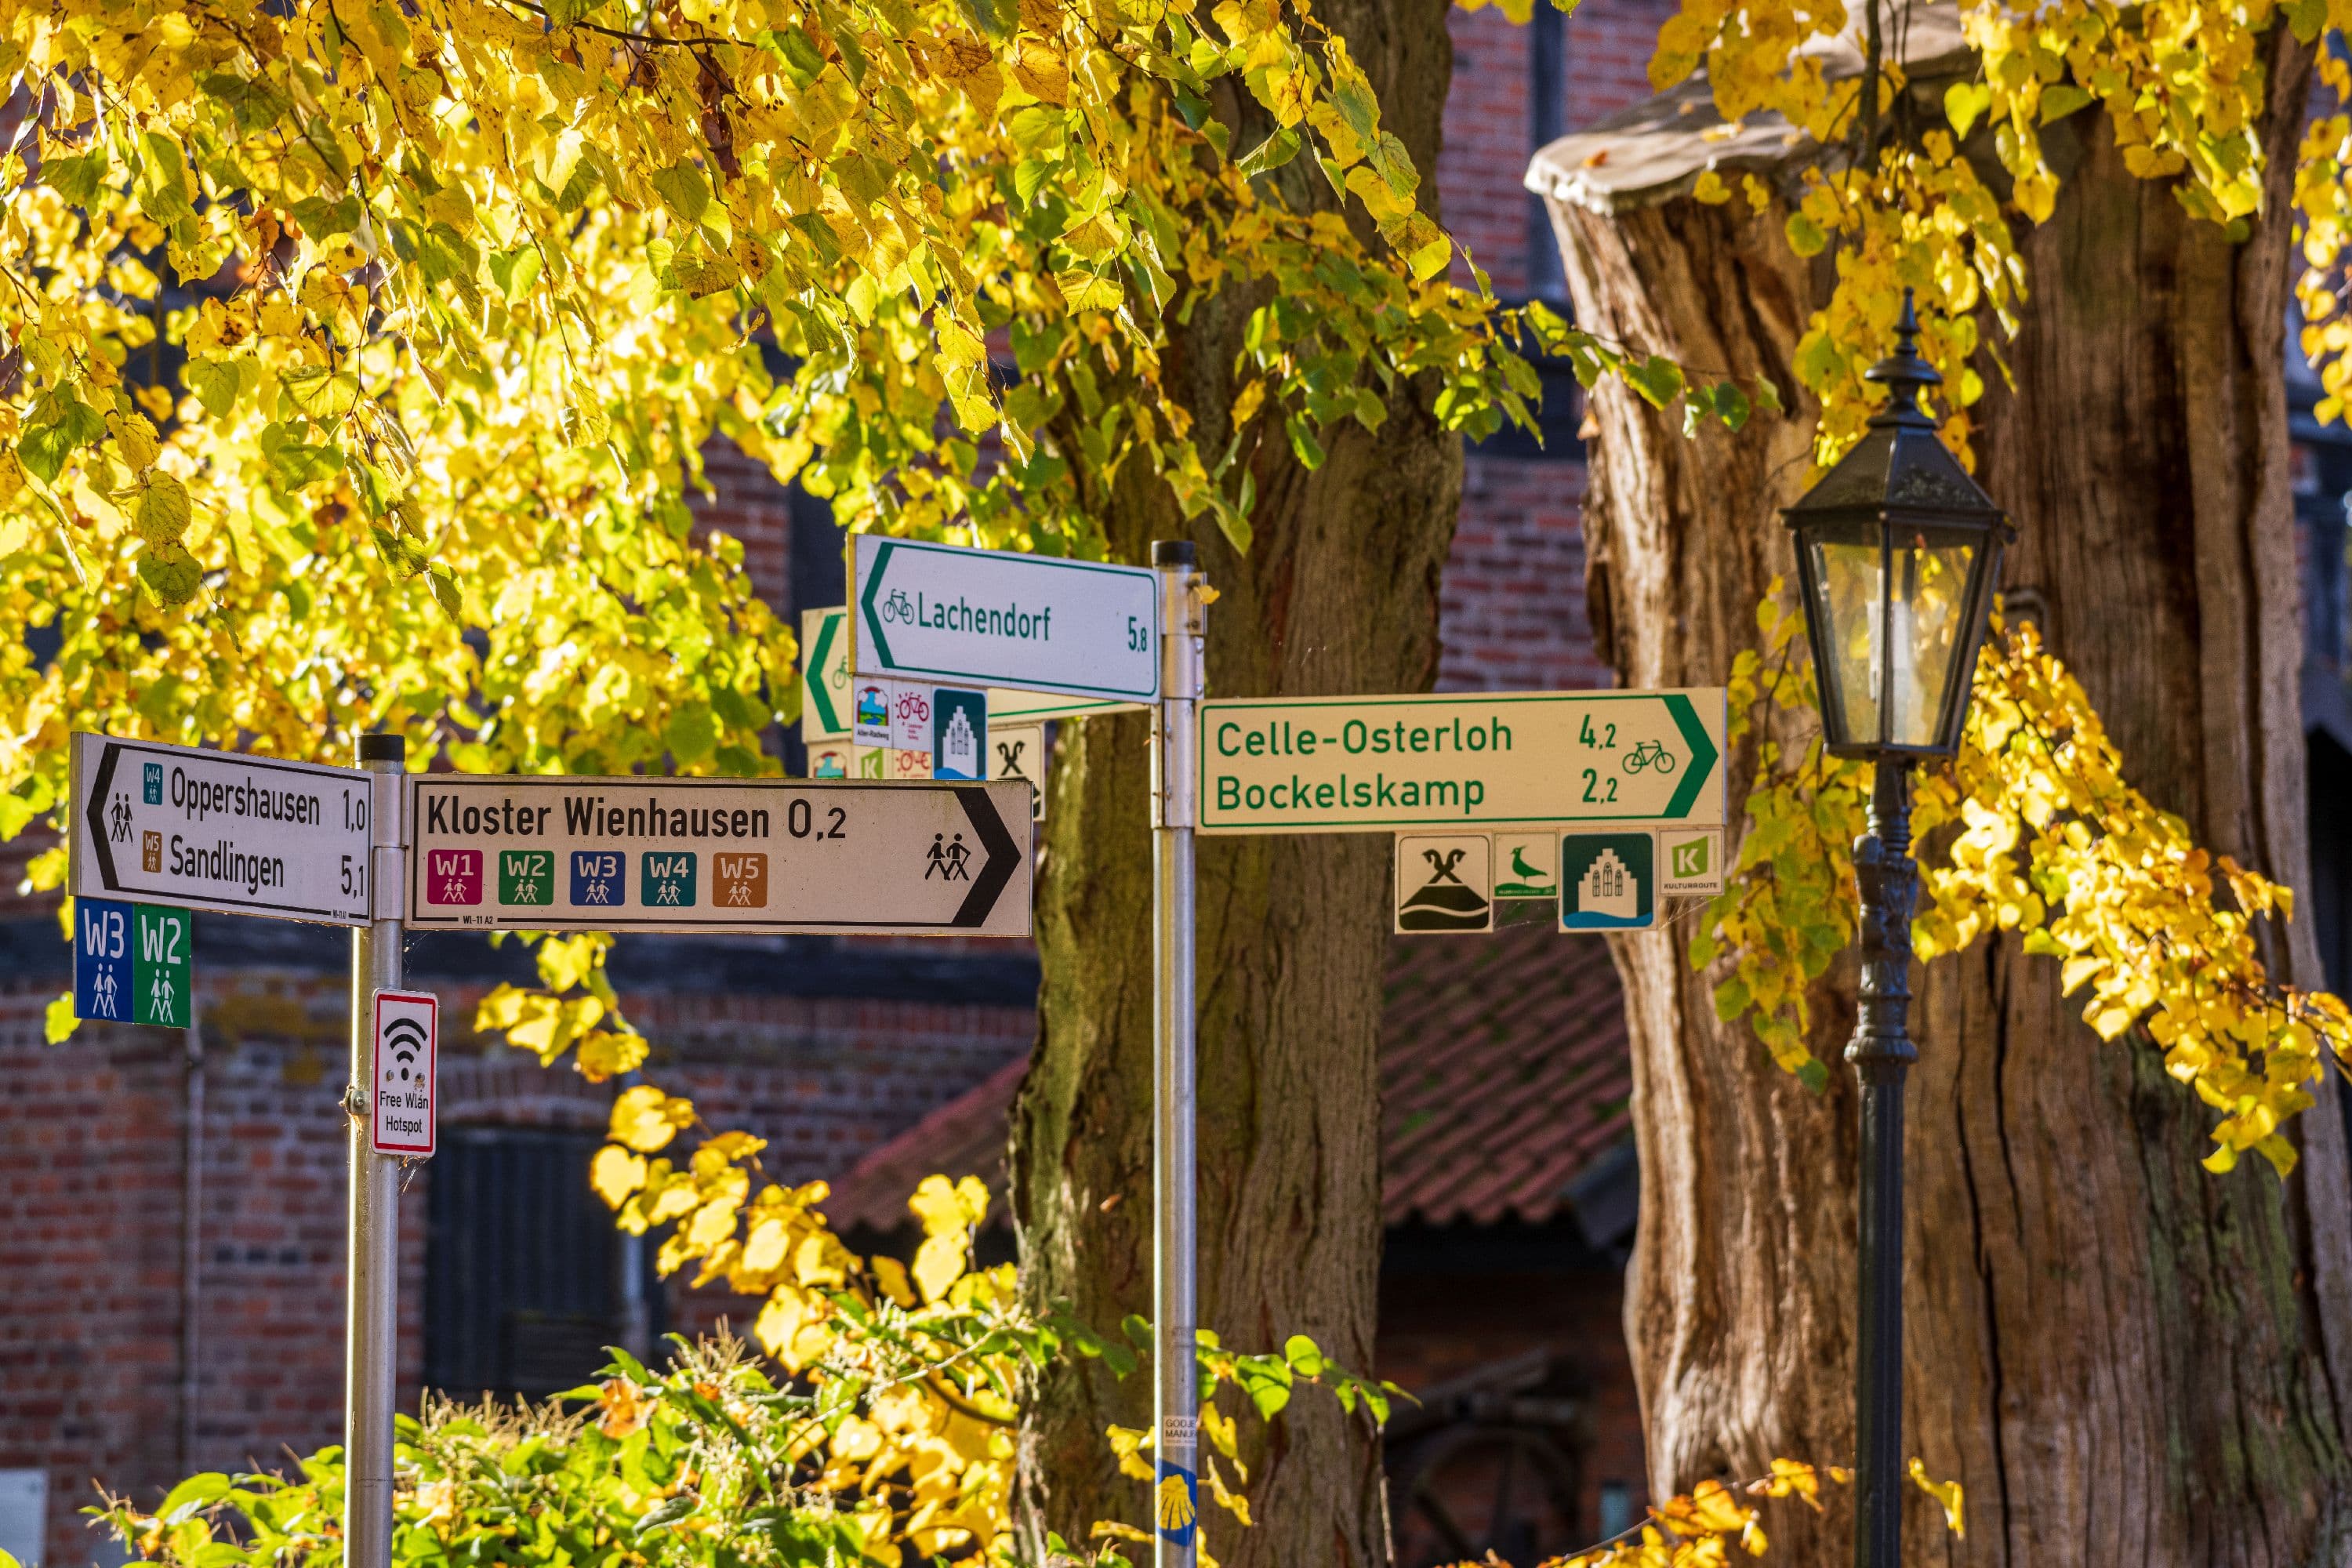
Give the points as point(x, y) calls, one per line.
point(1018, 752)
point(1176, 1504)
point(132, 962)
point(407, 1056)
point(1607, 882)
point(1444, 883)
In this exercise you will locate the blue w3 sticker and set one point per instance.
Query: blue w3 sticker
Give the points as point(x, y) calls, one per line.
point(1176, 1503)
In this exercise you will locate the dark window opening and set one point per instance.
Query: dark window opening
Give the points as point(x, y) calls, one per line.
point(527, 1280)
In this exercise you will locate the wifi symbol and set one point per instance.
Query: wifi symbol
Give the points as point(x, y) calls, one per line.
point(406, 1038)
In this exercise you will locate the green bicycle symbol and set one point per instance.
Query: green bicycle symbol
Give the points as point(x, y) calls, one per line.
point(896, 607)
point(1649, 754)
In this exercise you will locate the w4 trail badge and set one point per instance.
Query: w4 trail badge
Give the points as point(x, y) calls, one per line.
point(1444, 883)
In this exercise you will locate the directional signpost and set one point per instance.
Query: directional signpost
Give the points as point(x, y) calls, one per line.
point(1386, 765)
point(717, 855)
point(993, 618)
point(213, 830)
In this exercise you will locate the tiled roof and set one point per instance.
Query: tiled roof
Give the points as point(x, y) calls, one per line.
point(1503, 1079)
point(1504, 1074)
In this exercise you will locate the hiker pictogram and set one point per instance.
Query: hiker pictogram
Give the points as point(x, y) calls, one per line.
point(948, 862)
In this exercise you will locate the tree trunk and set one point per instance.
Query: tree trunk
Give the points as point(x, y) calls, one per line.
point(1337, 594)
point(2123, 1358)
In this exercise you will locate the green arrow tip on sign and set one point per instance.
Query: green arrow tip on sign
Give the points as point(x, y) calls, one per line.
point(871, 617)
point(828, 627)
point(1703, 756)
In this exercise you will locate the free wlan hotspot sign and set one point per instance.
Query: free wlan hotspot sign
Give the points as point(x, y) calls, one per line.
point(405, 1064)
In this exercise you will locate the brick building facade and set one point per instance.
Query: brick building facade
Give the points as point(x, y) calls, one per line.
point(171, 1207)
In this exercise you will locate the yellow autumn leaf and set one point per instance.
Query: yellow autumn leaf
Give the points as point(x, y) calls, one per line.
point(939, 1263)
point(616, 1173)
point(1947, 1493)
point(645, 1118)
point(891, 1275)
point(604, 1054)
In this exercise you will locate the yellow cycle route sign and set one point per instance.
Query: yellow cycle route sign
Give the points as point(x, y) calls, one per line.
point(1377, 764)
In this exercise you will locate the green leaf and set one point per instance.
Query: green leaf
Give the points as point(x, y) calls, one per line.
point(2059, 101)
point(161, 513)
point(683, 191)
point(1805, 236)
point(1731, 405)
point(77, 179)
point(198, 1492)
point(59, 423)
point(671, 1510)
point(169, 573)
point(1303, 444)
point(214, 385)
point(692, 734)
point(1303, 1357)
point(514, 271)
point(1271, 153)
point(323, 395)
point(1138, 1329)
point(1267, 1383)
point(439, 578)
point(1964, 102)
point(1659, 380)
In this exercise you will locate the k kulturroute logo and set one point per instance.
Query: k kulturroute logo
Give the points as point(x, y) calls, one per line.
point(1690, 859)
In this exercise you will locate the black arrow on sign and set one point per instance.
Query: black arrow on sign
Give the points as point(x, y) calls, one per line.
point(1003, 858)
point(96, 816)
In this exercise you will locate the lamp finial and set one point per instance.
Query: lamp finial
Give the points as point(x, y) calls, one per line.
point(1904, 373)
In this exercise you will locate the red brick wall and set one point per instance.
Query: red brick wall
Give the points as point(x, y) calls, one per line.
point(93, 1198)
point(1438, 1326)
point(1489, 129)
point(1609, 48)
point(748, 504)
point(1511, 612)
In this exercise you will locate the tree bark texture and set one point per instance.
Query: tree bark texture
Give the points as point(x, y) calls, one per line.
point(1337, 594)
point(2123, 1358)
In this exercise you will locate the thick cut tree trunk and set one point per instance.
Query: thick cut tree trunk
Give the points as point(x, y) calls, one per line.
point(1337, 594)
point(2125, 1359)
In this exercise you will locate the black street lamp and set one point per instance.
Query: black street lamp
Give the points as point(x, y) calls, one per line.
point(1897, 549)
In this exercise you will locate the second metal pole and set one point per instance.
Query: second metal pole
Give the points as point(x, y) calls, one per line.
point(1175, 810)
point(372, 1321)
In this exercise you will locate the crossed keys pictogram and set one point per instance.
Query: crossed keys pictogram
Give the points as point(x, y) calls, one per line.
point(1444, 865)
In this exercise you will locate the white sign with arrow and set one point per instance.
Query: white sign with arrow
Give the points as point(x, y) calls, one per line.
point(215, 830)
point(993, 618)
point(717, 855)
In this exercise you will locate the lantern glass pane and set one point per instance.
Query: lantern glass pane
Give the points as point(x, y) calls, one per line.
point(1926, 632)
point(1847, 586)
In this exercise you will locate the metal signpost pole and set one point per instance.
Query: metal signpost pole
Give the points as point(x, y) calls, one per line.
point(1175, 811)
point(372, 1333)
